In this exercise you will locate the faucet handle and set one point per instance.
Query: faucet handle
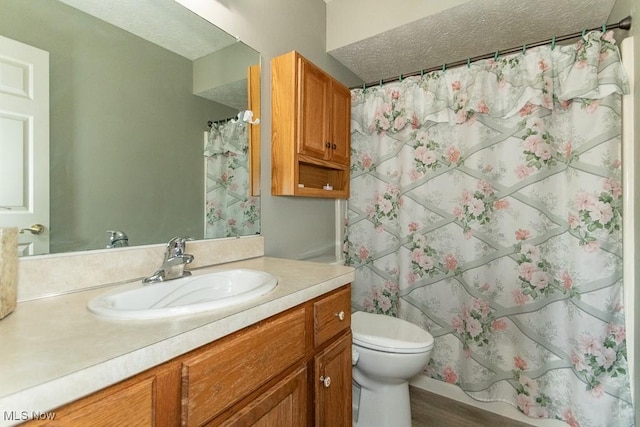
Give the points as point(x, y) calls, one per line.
point(177, 246)
point(117, 238)
point(116, 234)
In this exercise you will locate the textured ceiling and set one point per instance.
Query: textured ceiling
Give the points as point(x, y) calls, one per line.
point(175, 28)
point(232, 94)
point(471, 29)
point(163, 22)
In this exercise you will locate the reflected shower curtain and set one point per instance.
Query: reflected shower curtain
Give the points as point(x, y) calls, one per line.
point(229, 210)
point(486, 207)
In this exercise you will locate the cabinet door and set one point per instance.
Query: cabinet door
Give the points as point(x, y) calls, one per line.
point(218, 376)
point(333, 384)
point(340, 124)
point(284, 404)
point(313, 130)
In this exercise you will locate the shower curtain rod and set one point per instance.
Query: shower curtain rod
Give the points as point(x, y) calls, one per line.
point(211, 122)
point(624, 24)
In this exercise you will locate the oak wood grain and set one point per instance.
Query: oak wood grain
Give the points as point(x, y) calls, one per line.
point(220, 375)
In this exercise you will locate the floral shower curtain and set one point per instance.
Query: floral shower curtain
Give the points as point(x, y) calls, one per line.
point(486, 207)
point(229, 210)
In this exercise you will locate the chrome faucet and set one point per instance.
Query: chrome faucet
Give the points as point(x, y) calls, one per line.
point(174, 262)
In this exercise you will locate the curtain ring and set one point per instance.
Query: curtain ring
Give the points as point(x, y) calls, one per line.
point(524, 49)
point(422, 73)
point(380, 82)
point(468, 62)
point(583, 33)
point(604, 28)
point(553, 43)
point(400, 78)
point(495, 57)
point(444, 67)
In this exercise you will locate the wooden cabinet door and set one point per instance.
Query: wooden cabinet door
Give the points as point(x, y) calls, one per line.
point(340, 124)
point(333, 384)
point(313, 92)
point(284, 404)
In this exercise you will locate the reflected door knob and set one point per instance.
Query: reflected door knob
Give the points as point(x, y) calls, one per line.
point(34, 229)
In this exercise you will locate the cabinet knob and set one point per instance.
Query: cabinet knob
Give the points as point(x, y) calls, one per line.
point(326, 381)
point(340, 315)
point(334, 146)
point(328, 144)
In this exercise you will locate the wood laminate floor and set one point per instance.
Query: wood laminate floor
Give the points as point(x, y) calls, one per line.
point(432, 410)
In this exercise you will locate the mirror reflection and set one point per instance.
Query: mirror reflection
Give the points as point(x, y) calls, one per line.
point(131, 150)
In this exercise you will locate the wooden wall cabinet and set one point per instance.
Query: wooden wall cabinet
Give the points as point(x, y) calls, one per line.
point(292, 369)
point(311, 130)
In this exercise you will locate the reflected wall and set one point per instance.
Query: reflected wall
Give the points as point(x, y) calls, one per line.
point(126, 129)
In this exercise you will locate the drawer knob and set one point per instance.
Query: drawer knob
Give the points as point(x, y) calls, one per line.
point(326, 381)
point(340, 315)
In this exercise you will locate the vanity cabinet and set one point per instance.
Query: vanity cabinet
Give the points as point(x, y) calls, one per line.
point(292, 369)
point(311, 130)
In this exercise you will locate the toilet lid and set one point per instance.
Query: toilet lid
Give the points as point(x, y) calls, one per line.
point(390, 334)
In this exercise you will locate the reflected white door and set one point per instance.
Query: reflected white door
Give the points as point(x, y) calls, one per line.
point(24, 142)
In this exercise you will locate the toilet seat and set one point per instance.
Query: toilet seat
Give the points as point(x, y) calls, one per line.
point(389, 334)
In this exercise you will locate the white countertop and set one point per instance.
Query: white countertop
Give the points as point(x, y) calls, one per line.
point(55, 351)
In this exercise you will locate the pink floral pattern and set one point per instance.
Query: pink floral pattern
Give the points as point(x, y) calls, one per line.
point(601, 357)
point(383, 300)
point(385, 205)
point(537, 276)
point(229, 209)
point(477, 206)
point(531, 400)
point(597, 213)
point(391, 117)
point(486, 208)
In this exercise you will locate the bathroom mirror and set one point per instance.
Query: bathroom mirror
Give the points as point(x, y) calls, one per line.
point(133, 86)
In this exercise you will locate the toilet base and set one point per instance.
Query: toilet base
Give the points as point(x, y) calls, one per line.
point(388, 405)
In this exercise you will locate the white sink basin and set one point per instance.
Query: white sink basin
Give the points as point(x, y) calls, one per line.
point(188, 295)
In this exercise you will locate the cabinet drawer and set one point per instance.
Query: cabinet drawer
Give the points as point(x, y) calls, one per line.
point(331, 315)
point(219, 376)
point(124, 404)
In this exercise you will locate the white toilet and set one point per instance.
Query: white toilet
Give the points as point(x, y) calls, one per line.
point(387, 352)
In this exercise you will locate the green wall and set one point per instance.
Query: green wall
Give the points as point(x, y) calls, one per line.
point(126, 131)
